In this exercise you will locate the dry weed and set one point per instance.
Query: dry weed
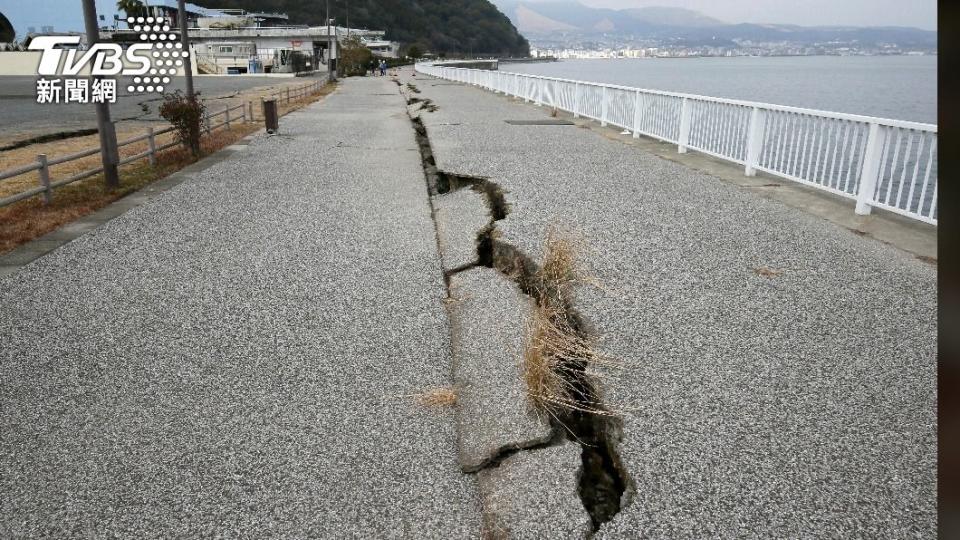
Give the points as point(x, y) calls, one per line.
point(561, 264)
point(767, 272)
point(559, 360)
point(437, 397)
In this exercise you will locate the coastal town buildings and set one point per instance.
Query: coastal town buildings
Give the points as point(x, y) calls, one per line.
point(232, 41)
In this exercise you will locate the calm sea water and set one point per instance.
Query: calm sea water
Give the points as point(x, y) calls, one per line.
point(899, 87)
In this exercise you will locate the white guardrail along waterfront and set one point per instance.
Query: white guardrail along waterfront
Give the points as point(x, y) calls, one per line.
point(879, 163)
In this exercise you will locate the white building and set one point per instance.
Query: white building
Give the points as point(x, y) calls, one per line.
point(273, 49)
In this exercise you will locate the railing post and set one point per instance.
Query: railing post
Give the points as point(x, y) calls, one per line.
point(152, 143)
point(577, 99)
point(603, 108)
point(758, 125)
point(250, 104)
point(288, 95)
point(44, 172)
point(870, 171)
point(539, 91)
point(227, 111)
point(206, 120)
point(684, 137)
point(637, 114)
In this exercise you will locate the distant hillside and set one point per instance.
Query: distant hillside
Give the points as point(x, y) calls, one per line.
point(442, 26)
point(671, 16)
point(579, 16)
point(542, 19)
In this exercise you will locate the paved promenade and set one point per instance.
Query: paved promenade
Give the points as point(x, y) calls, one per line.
point(780, 371)
point(238, 357)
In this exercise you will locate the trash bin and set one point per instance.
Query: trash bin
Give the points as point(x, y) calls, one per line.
point(270, 117)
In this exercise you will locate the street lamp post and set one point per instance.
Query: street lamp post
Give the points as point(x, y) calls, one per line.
point(109, 155)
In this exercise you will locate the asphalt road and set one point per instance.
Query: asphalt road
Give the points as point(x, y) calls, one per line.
point(20, 114)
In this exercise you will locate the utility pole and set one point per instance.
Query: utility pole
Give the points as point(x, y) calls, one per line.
point(185, 41)
point(331, 75)
point(109, 155)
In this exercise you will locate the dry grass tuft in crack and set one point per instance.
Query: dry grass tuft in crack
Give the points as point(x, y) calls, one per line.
point(437, 397)
point(559, 360)
point(561, 265)
point(554, 360)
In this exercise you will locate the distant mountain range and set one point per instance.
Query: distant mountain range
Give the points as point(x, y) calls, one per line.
point(549, 19)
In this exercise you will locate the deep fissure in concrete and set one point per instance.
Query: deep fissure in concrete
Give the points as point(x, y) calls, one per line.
point(492, 193)
point(425, 104)
point(603, 480)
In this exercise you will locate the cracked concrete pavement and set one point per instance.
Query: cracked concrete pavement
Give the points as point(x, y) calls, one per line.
point(240, 355)
point(797, 405)
point(489, 316)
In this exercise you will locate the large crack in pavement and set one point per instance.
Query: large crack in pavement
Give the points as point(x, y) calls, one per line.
point(604, 485)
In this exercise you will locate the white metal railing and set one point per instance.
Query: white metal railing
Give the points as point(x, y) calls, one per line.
point(877, 162)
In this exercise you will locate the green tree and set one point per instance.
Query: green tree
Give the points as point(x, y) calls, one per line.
point(133, 8)
point(354, 58)
point(415, 51)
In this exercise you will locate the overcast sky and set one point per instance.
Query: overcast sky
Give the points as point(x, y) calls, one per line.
point(916, 13)
point(67, 15)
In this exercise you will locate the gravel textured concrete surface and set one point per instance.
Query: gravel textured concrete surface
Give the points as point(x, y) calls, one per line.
point(488, 315)
point(533, 495)
point(460, 215)
point(797, 402)
point(241, 355)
